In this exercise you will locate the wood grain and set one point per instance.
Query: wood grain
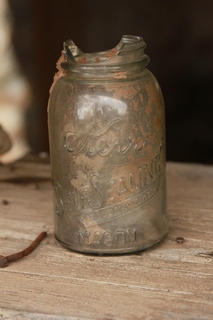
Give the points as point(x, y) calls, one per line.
point(170, 281)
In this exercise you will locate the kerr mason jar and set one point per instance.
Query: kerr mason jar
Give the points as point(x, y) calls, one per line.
point(107, 147)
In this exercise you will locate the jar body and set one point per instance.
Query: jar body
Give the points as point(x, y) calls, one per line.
point(107, 145)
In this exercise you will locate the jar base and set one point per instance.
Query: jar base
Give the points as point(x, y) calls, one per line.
point(112, 252)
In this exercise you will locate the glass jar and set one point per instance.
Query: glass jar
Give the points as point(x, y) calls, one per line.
point(107, 147)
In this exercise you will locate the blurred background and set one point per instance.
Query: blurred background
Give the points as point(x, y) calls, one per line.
point(179, 37)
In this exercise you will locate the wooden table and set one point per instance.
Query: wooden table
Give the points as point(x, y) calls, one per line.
point(170, 281)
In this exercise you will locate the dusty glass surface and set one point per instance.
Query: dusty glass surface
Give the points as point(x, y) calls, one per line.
point(107, 144)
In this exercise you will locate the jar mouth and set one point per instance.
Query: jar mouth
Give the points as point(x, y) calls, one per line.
point(129, 50)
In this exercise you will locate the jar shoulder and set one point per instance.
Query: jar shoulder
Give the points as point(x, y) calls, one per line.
point(144, 78)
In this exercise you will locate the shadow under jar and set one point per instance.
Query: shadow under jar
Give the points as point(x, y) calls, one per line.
point(107, 145)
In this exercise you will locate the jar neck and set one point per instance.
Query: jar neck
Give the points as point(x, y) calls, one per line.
point(126, 59)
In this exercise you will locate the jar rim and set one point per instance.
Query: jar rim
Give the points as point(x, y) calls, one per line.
point(129, 50)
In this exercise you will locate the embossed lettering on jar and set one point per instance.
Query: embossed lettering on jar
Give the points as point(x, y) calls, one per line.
point(107, 145)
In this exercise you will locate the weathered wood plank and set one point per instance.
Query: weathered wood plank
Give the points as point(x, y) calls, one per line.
point(170, 281)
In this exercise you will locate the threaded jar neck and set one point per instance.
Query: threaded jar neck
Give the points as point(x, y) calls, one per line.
point(127, 57)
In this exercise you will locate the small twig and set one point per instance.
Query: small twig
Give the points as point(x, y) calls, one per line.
point(13, 257)
point(206, 254)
